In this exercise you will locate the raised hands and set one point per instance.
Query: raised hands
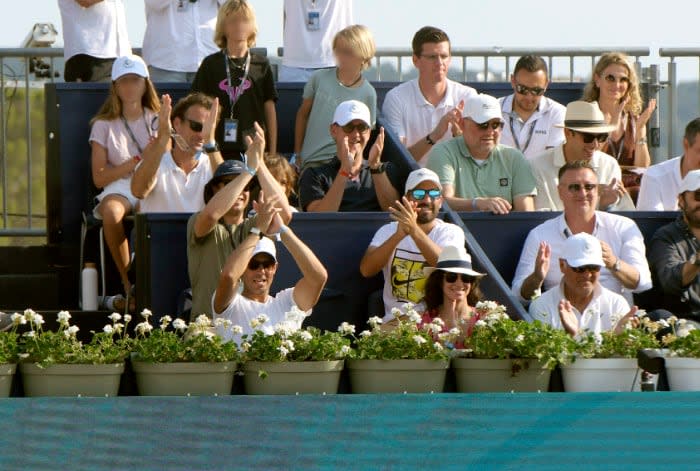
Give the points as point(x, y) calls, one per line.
point(209, 125)
point(255, 144)
point(266, 210)
point(375, 153)
point(404, 213)
point(611, 193)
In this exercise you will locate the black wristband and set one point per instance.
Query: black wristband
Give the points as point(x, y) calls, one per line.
point(380, 169)
point(429, 140)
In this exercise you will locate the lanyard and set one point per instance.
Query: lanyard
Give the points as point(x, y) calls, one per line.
point(131, 133)
point(238, 91)
point(515, 135)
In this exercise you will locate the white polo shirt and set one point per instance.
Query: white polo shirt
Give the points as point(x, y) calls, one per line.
point(98, 31)
point(412, 117)
point(534, 136)
point(602, 313)
point(178, 36)
point(660, 185)
point(619, 232)
point(175, 191)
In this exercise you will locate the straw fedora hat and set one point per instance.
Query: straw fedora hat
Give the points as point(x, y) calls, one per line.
point(583, 116)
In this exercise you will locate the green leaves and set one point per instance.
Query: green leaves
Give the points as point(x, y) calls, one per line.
point(310, 344)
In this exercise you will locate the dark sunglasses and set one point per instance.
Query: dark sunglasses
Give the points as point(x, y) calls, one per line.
point(489, 124)
point(420, 194)
point(587, 187)
point(256, 264)
point(696, 195)
point(585, 268)
point(611, 78)
point(452, 277)
point(523, 90)
point(590, 137)
point(361, 127)
point(196, 126)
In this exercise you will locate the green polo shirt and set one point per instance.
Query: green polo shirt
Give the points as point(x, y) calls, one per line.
point(505, 172)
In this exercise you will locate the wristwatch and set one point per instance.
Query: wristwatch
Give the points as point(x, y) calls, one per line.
point(256, 231)
point(380, 169)
point(616, 266)
point(429, 140)
point(210, 147)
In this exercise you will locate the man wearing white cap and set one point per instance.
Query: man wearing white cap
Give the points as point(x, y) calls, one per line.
point(254, 263)
point(348, 182)
point(476, 172)
point(580, 303)
point(415, 239)
point(659, 189)
point(673, 253)
point(585, 130)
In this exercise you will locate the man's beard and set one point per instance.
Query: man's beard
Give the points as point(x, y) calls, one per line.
point(426, 218)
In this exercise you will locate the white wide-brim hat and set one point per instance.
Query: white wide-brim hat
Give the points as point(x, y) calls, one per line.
point(583, 116)
point(455, 260)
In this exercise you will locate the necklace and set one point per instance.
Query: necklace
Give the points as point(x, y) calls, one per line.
point(337, 76)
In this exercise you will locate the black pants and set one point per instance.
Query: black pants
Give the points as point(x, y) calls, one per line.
point(84, 68)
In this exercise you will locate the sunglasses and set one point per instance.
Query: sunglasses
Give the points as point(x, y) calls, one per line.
point(523, 90)
point(360, 127)
point(495, 125)
point(590, 137)
point(196, 126)
point(696, 195)
point(420, 194)
point(256, 264)
point(452, 277)
point(612, 79)
point(576, 187)
point(585, 268)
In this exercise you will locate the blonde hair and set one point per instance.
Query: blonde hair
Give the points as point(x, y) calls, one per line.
point(112, 107)
point(592, 92)
point(279, 166)
point(234, 7)
point(359, 39)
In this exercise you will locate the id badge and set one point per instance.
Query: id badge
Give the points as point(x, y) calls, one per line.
point(231, 130)
point(182, 6)
point(313, 19)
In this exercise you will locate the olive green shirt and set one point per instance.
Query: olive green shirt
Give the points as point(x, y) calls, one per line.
point(206, 257)
point(504, 173)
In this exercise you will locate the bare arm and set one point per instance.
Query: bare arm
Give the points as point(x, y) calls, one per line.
point(385, 191)
point(314, 275)
point(271, 123)
point(524, 203)
point(209, 129)
point(144, 178)
point(375, 258)
point(496, 205)
point(534, 281)
point(301, 123)
point(641, 149)
point(102, 172)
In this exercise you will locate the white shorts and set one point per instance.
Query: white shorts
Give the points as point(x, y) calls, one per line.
point(121, 187)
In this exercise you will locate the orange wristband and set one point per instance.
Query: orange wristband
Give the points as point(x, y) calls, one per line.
point(345, 174)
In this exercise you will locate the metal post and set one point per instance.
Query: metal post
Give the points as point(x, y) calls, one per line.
point(672, 104)
point(4, 143)
point(28, 136)
point(654, 124)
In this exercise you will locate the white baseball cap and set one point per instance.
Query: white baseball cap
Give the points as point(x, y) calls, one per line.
point(130, 64)
point(265, 245)
point(350, 110)
point(583, 249)
point(691, 182)
point(482, 108)
point(419, 176)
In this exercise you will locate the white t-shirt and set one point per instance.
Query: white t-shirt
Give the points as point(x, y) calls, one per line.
point(242, 310)
point(536, 134)
point(98, 31)
point(619, 232)
point(660, 185)
point(311, 47)
point(601, 314)
point(114, 136)
point(412, 117)
point(403, 275)
point(178, 37)
point(176, 192)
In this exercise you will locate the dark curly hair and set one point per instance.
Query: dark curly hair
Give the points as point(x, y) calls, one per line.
point(433, 291)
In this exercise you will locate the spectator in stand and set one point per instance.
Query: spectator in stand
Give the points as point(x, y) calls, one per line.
point(171, 179)
point(659, 190)
point(476, 172)
point(94, 35)
point(121, 131)
point(530, 116)
point(614, 85)
point(353, 48)
point(400, 249)
point(285, 175)
point(179, 34)
point(242, 81)
point(348, 182)
point(308, 31)
point(427, 110)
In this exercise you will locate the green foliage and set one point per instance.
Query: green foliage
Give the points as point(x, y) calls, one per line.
point(611, 344)
point(310, 344)
point(194, 342)
point(684, 340)
point(9, 346)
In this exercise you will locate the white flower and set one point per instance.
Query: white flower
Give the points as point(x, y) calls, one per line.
point(146, 313)
point(305, 335)
point(63, 317)
point(487, 305)
point(365, 333)
point(438, 346)
point(71, 331)
point(374, 321)
point(288, 344)
point(396, 312)
point(455, 331)
point(663, 323)
point(179, 324)
point(127, 317)
point(262, 318)
point(118, 326)
point(18, 319)
point(344, 350)
point(245, 346)
point(285, 328)
point(414, 317)
point(29, 334)
point(283, 351)
point(38, 320)
point(143, 328)
point(438, 321)
point(29, 314)
point(254, 323)
point(202, 321)
point(208, 334)
point(419, 339)
point(480, 323)
point(108, 329)
point(346, 329)
point(519, 338)
point(165, 321)
point(115, 316)
point(682, 321)
point(237, 329)
point(23, 356)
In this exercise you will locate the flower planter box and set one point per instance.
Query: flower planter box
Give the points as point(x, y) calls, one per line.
point(292, 377)
point(7, 372)
point(496, 375)
point(397, 376)
point(600, 374)
point(71, 380)
point(184, 379)
point(683, 373)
